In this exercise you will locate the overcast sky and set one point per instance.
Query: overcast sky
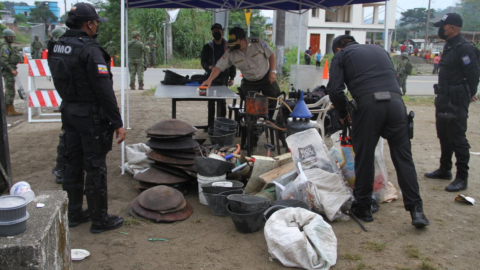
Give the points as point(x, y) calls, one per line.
point(401, 5)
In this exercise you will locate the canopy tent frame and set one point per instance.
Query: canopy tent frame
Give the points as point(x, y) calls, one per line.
point(293, 6)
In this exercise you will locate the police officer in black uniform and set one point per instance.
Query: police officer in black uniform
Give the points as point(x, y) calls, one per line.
point(90, 115)
point(380, 112)
point(456, 88)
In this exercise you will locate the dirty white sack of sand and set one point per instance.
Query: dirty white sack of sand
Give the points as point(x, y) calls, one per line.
point(300, 238)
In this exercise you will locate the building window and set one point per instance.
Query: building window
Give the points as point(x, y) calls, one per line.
point(315, 12)
point(342, 15)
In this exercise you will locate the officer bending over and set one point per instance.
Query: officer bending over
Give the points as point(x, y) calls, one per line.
point(381, 112)
point(90, 114)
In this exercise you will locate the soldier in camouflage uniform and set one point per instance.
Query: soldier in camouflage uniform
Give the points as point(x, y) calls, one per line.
point(37, 49)
point(146, 60)
point(152, 56)
point(57, 33)
point(402, 72)
point(9, 59)
point(136, 52)
point(111, 50)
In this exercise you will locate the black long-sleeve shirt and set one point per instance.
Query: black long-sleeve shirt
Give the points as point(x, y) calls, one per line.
point(459, 61)
point(364, 69)
point(210, 58)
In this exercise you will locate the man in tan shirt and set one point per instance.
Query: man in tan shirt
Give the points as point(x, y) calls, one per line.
point(254, 59)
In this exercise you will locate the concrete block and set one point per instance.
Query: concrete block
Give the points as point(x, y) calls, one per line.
point(45, 245)
point(309, 76)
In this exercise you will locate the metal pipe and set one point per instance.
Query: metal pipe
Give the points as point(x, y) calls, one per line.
point(122, 53)
point(298, 51)
point(386, 38)
point(128, 77)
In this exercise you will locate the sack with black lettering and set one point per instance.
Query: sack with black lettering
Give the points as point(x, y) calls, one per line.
point(59, 61)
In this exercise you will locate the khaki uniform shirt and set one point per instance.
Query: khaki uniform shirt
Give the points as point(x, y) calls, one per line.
point(253, 63)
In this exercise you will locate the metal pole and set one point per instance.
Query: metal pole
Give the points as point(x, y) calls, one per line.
point(128, 77)
point(165, 42)
point(426, 28)
point(248, 33)
point(298, 52)
point(386, 38)
point(122, 53)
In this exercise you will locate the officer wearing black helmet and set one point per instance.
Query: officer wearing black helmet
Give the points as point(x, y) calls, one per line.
point(90, 115)
point(456, 88)
point(380, 112)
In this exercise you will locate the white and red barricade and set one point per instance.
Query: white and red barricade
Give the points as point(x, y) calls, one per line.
point(41, 98)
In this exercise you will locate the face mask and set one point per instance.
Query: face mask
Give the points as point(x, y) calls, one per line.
point(441, 33)
point(217, 36)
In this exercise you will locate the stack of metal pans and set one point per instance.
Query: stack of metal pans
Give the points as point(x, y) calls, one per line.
point(173, 150)
point(161, 204)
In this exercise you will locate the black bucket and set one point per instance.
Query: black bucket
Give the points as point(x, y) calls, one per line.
point(244, 203)
point(218, 202)
point(221, 140)
point(222, 186)
point(247, 223)
point(212, 167)
point(281, 204)
point(224, 126)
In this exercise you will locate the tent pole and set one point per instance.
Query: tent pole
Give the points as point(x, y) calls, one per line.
point(386, 38)
point(128, 88)
point(298, 51)
point(122, 53)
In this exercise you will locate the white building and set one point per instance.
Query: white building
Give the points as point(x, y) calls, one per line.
point(319, 27)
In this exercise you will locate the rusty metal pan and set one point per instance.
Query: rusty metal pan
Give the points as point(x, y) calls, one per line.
point(191, 168)
point(138, 211)
point(182, 187)
point(155, 176)
point(174, 137)
point(170, 160)
point(160, 198)
point(170, 169)
point(170, 127)
point(172, 144)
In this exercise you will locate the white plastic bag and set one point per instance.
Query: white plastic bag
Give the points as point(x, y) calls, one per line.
point(299, 189)
point(137, 158)
point(301, 238)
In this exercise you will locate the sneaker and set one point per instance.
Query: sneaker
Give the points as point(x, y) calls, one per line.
point(457, 185)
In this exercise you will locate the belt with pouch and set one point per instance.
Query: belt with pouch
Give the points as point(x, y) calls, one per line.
point(378, 97)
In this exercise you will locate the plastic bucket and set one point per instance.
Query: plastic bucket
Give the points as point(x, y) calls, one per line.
point(12, 208)
point(224, 126)
point(221, 186)
point(221, 140)
point(23, 189)
point(247, 223)
point(9, 228)
point(244, 203)
point(218, 202)
point(205, 180)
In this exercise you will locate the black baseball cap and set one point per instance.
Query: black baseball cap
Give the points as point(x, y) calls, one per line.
point(450, 18)
point(216, 25)
point(234, 36)
point(85, 12)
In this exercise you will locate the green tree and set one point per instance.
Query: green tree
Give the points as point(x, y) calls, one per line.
point(416, 19)
point(257, 22)
point(20, 18)
point(41, 14)
point(470, 11)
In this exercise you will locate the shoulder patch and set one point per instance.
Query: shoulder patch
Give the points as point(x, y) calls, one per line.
point(7, 51)
point(102, 69)
point(264, 44)
point(225, 54)
point(466, 60)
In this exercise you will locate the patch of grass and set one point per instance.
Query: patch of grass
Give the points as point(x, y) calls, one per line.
point(374, 246)
point(426, 266)
point(412, 251)
point(193, 63)
point(22, 38)
point(352, 257)
point(150, 92)
point(362, 266)
point(130, 222)
point(409, 100)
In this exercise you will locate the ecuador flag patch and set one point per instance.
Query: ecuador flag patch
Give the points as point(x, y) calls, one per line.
point(102, 69)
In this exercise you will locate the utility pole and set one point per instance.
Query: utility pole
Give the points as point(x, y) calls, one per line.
point(280, 41)
point(427, 27)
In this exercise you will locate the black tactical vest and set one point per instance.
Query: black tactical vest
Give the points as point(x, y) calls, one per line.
point(69, 72)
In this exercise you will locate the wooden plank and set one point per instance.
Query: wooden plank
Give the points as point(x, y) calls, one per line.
point(277, 172)
point(262, 165)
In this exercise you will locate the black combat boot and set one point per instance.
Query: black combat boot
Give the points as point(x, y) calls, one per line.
point(98, 204)
point(457, 185)
point(439, 174)
point(362, 211)
point(140, 86)
point(132, 86)
point(78, 217)
point(73, 184)
point(419, 219)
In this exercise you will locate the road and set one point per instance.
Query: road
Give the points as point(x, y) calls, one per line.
point(416, 85)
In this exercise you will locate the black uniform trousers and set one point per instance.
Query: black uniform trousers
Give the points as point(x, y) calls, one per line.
point(389, 120)
point(78, 123)
point(453, 139)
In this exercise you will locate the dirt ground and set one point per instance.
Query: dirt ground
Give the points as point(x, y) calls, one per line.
point(205, 241)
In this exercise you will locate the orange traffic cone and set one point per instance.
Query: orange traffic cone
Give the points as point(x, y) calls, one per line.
point(25, 59)
point(325, 70)
point(111, 62)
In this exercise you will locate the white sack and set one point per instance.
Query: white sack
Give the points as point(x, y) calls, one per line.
point(137, 158)
point(301, 238)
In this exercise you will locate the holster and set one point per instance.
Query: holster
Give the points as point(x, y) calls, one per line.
point(411, 115)
point(102, 135)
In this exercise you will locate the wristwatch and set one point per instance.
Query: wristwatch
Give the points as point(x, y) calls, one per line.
point(273, 71)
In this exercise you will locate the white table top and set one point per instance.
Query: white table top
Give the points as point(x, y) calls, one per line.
point(185, 91)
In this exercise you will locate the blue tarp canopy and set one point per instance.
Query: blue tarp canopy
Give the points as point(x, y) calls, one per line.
point(288, 5)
